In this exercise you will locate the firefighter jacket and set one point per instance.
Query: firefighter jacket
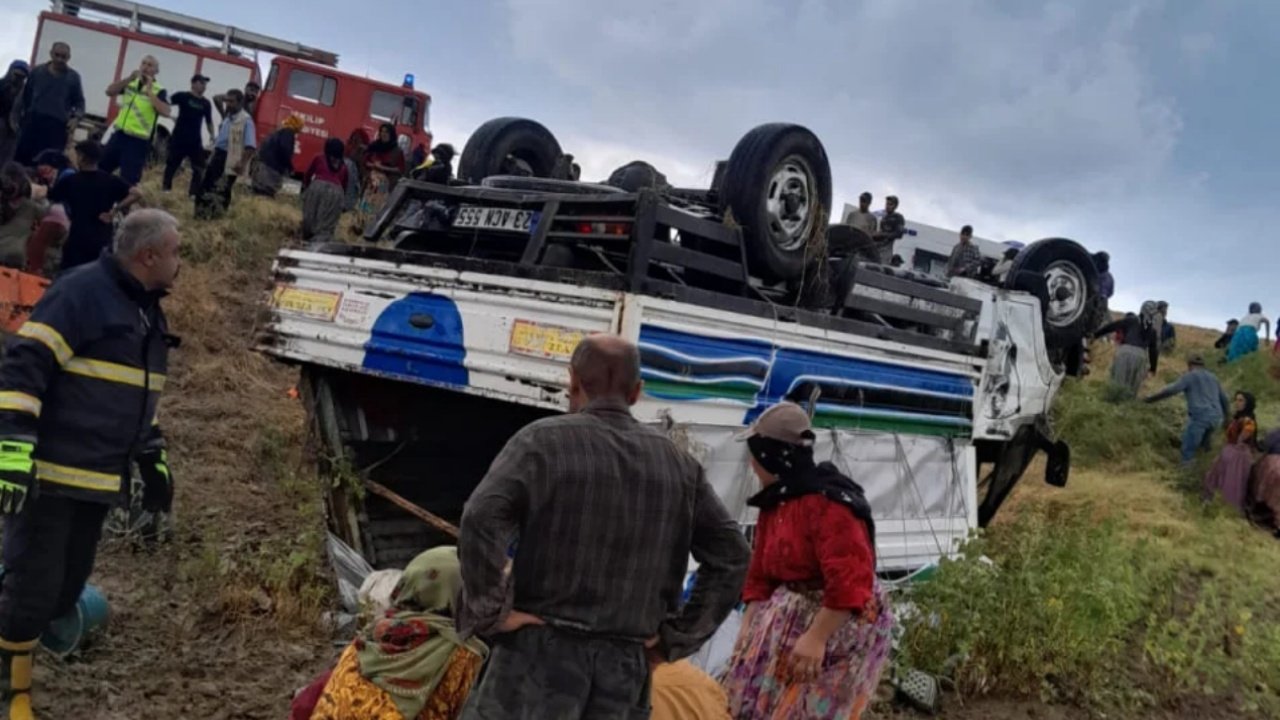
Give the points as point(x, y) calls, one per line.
point(81, 379)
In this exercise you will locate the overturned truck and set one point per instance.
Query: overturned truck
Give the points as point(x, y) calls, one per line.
point(425, 348)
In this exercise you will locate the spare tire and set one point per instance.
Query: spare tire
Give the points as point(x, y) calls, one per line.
point(777, 185)
point(1062, 273)
point(506, 146)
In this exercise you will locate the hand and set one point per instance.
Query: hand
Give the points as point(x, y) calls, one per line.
point(17, 476)
point(106, 217)
point(135, 75)
point(157, 482)
point(516, 620)
point(806, 658)
point(652, 653)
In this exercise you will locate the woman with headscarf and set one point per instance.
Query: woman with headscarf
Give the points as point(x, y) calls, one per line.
point(324, 193)
point(383, 166)
point(816, 632)
point(357, 143)
point(1139, 351)
point(409, 664)
point(1245, 339)
point(1266, 483)
point(275, 158)
point(1229, 475)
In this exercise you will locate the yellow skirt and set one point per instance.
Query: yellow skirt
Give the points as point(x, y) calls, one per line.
point(349, 696)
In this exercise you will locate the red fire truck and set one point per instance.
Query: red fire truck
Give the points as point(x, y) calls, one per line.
point(109, 38)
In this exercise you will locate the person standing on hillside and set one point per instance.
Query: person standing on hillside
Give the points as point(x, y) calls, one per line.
point(604, 513)
point(866, 221)
point(186, 142)
point(141, 100)
point(1139, 351)
point(248, 99)
point(78, 393)
point(52, 103)
point(11, 87)
point(1207, 405)
point(966, 259)
point(91, 197)
point(1245, 340)
point(892, 227)
point(233, 148)
point(275, 158)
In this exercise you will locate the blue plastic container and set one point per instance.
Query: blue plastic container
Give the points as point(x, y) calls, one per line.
point(73, 631)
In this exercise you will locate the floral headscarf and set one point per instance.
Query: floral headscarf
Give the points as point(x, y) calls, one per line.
point(406, 652)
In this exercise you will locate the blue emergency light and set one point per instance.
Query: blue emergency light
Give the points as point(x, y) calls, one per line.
point(408, 80)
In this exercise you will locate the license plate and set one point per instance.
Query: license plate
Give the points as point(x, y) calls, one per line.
point(491, 218)
point(318, 304)
point(546, 341)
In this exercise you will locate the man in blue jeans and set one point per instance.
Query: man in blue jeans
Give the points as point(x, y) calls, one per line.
point(1207, 405)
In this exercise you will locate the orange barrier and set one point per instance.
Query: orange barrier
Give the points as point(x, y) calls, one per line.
point(19, 293)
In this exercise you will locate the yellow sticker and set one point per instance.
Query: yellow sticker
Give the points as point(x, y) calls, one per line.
point(319, 304)
point(547, 341)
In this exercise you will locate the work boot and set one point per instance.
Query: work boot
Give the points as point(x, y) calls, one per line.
point(15, 680)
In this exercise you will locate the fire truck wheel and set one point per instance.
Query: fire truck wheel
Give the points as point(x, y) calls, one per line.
point(1061, 273)
point(509, 146)
point(777, 184)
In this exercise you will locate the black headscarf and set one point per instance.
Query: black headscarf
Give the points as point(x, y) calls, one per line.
point(379, 146)
point(798, 475)
point(1250, 404)
point(334, 152)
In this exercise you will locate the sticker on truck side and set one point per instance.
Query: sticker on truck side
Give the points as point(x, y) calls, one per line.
point(545, 341)
point(318, 304)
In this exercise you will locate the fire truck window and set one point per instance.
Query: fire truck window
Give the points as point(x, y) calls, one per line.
point(312, 86)
point(385, 106)
point(411, 111)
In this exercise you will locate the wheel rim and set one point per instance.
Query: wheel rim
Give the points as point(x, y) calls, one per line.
point(1068, 293)
point(789, 202)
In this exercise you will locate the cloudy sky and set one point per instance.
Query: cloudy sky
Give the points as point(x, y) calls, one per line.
point(1147, 128)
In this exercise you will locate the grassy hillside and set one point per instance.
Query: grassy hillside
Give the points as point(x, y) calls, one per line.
point(1122, 591)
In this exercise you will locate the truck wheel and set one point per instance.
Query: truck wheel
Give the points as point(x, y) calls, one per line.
point(567, 187)
point(778, 186)
point(507, 146)
point(1062, 273)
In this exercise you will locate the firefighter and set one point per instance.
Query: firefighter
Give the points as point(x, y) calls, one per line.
point(438, 167)
point(78, 394)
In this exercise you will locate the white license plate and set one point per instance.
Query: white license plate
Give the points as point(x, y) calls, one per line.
point(490, 218)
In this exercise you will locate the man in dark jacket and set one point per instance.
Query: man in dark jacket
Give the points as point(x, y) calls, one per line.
point(78, 393)
point(52, 102)
point(11, 88)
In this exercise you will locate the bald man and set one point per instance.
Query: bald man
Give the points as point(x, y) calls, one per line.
point(604, 513)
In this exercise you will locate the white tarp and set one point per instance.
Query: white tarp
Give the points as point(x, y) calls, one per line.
point(922, 489)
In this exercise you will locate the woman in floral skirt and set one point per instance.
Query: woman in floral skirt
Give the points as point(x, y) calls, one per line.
point(816, 634)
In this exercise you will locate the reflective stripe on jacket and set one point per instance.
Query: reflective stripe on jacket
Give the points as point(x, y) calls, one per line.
point(81, 380)
point(137, 116)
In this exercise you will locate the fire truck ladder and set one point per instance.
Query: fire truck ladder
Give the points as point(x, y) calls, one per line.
point(228, 36)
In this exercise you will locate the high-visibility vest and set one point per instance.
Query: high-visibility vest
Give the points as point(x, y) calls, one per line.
point(137, 116)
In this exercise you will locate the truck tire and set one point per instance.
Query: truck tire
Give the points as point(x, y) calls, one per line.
point(500, 145)
point(1062, 273)
point(566, 187)
point(777, 185)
